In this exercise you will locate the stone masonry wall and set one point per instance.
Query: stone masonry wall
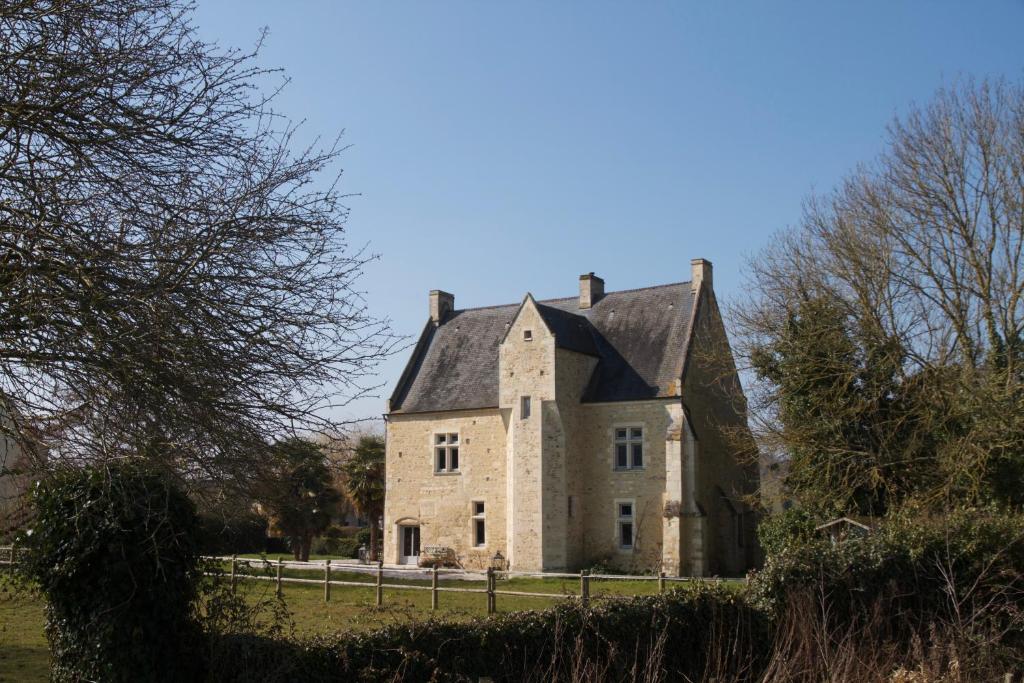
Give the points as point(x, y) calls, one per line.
point(713, 396)
point(603, 485)
point(442, 503)
point(526, 367)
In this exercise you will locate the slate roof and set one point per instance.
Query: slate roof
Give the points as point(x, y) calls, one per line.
point(638, 336)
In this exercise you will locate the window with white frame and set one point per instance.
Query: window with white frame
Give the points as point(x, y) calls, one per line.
point(479, 526)
point(629, 448)
point(524, 407)
point(624, 511)
point(446, 452)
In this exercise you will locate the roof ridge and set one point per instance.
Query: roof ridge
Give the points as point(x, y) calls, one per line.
point(571, 298)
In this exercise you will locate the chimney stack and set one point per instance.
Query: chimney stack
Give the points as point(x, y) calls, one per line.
point(591, 290)
point(700, 272)
point(441, 304)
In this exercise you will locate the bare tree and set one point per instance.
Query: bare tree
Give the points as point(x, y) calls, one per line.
point(886, 328)
point(175, 279)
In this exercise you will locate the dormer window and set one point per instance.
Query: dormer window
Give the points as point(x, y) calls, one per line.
point(446, 453)
point(527, 335)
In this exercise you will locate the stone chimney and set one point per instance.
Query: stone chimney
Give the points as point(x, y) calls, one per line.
point(591, 290)
point(701, 272)
point(441, 304)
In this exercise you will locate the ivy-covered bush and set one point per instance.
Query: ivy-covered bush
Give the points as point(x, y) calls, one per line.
point(965, 568)
point(687, 634)
point(114, 551)
point(795, 526)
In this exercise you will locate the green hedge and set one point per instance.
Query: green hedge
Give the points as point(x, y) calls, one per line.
point(693, 633)
point(915, 565)
point(113, 549)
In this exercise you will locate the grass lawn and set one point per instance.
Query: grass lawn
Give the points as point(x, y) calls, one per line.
point(23, 651)
point(24, 655)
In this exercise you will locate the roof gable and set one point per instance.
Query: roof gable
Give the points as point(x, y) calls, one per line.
point(638, 336)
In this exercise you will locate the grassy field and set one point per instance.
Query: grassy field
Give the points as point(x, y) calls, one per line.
point(24, 655)
point(23, 652)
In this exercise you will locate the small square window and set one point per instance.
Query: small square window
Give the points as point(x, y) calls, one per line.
point(527, 335)
point(441, 438)
point(478, 508)
point(620, 433)
point(625, 509)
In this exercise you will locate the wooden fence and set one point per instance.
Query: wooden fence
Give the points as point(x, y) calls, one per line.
point(275, 572)
point(490, 579)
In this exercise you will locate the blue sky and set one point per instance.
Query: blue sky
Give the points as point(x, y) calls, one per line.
point(500, 148)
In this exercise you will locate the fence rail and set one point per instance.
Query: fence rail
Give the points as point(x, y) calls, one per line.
point(377, 572)
point(490, 577)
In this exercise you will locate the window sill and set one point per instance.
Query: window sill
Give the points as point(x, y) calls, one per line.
point(447, 474)
point(628, 469)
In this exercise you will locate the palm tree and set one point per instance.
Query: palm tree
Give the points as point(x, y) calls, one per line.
point(298, 492)
point(364, 482)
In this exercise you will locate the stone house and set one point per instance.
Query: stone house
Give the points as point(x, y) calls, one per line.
point(565, 433)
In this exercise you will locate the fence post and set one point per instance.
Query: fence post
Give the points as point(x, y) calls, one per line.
point(491, 603)
point(584, 587)
point(433, 589)
point(327, 581)
point(234, 562)
point(661, 582)
point(380, 582)
point(280, 565)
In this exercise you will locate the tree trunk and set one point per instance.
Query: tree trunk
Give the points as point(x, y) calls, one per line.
point(296, 548)
point(373, 542)
point(307, 543)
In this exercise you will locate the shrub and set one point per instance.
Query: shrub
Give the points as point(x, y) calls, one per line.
point(964, 568)
point(113, 550)
point(793, 526)
point(687, 634)
point(344, 547)
point(244, 534)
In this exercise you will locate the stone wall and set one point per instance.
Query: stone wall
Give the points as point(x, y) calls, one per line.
point(603, 485)
point(441, 504)
point(526, 363)
point(726, 477)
